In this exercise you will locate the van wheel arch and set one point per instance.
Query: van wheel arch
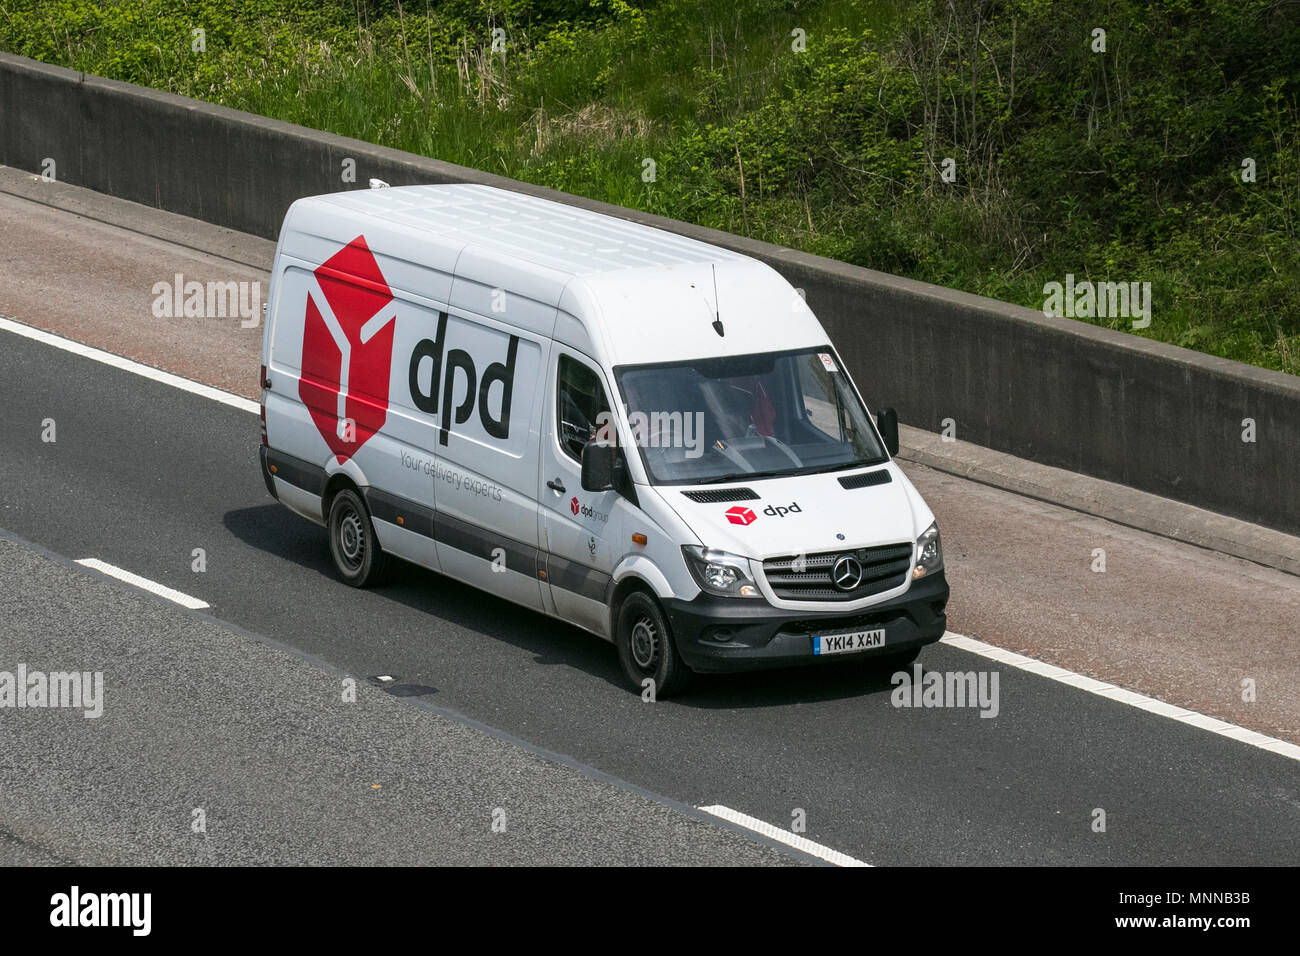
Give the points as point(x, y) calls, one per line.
point(336, 483)
point(620, 594)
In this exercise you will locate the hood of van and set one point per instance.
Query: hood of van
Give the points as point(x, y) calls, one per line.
point(803, 514)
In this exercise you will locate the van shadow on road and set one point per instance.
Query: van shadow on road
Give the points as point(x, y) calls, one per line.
point(277, 532)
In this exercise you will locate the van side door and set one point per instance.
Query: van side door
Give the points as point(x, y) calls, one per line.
point(580, 527)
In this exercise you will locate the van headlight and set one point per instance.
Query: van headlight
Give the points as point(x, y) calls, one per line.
point(929, 553)
point(720, 572)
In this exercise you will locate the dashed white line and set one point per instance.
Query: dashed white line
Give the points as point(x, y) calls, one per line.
point(1050, 671)
point(126, 365)
point(1133, 699)
point(144, 584)
point(802, 844)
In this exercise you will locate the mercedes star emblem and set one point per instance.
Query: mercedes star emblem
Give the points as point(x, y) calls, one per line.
point(846, 572)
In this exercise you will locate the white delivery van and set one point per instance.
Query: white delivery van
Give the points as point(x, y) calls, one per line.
point(639, 433)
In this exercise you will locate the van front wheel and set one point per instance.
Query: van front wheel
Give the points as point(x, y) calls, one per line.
point(353, 543)
point(646, 648)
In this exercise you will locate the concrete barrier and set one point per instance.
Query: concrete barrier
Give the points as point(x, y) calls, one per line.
point(1155, 417)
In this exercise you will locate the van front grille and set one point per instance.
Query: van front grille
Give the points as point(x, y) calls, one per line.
point(810, 577)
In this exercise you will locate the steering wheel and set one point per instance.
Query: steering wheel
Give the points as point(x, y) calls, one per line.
point(575, 426)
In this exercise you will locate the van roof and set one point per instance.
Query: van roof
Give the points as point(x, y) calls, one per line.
point(640, 294)
point(565, 239)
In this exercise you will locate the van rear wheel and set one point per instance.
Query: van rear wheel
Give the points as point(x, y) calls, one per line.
point(646, 648)
point(353, 544)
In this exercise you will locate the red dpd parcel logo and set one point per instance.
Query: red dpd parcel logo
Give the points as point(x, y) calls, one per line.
point(347, 349)
point(740, 515)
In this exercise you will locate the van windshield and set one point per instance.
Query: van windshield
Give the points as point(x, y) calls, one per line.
point(747, 416)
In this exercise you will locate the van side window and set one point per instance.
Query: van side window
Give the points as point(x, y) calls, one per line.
point(579, 405)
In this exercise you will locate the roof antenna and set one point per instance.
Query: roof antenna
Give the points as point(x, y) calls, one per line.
point(717, 321)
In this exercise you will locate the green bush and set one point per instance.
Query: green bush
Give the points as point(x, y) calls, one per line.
point(1123, 165)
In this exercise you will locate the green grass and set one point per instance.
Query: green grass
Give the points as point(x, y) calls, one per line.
point(1123, 166)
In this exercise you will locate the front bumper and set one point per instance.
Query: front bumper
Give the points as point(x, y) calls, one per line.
point(760, 635)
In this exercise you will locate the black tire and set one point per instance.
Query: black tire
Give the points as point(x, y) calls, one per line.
point(646, 648)
point(353, 544)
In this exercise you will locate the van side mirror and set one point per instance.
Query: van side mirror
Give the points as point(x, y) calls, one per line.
point(887, 425)
point(604, 468)
point(598, 465)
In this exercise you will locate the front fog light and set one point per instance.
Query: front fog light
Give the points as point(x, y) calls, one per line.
point(929, 553)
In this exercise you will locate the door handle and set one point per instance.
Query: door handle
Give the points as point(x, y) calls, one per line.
point(556, 485)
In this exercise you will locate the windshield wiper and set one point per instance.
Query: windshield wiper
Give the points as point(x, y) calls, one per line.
point(790, 473)
point(747, 476)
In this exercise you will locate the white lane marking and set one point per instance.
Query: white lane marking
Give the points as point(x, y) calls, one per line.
point(1131, 698)
point(1101, 688)
point(802, 844)
point(126, 365)
point(184, 600)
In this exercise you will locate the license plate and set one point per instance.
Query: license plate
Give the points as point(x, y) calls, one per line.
point(846, 643)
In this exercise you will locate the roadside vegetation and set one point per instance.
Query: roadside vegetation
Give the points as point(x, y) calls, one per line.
point(1122, 166)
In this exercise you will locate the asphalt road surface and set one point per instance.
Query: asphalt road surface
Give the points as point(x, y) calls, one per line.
point(211, 747)
point(235, 708)
point(141, 474)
